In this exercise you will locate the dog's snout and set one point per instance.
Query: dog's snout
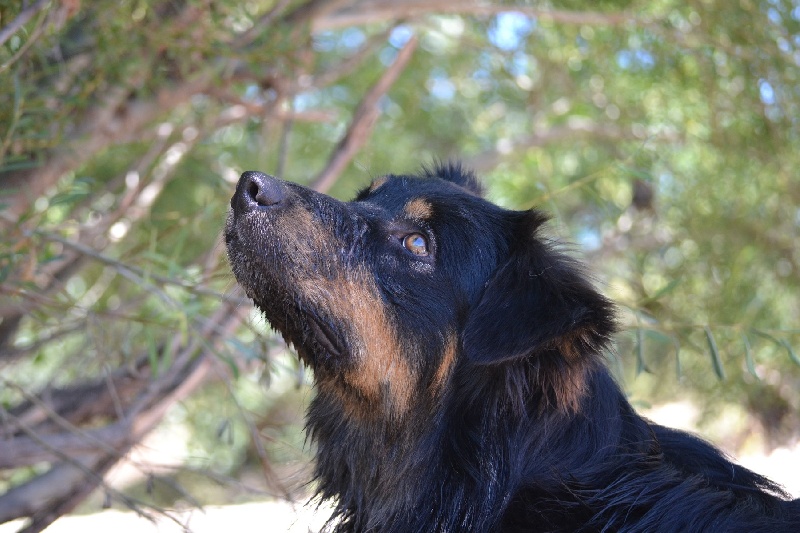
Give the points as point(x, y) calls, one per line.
point(257, 191)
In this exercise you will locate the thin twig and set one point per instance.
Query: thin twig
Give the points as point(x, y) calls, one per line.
point(385, 10)
point(271, 478)
point(574, 129)
point(283, 145)
point(132, 273)
point(88, 471)
point(348, 65)
point(313, 10)
point(34, 35)
point(24, 16)
point(259, 26)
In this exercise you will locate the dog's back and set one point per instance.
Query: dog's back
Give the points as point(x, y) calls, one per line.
point(459, 370)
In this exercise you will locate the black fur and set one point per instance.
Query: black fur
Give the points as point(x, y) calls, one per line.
point(484, 404)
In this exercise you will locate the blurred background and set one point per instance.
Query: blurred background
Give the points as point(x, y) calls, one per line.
point(662, 136)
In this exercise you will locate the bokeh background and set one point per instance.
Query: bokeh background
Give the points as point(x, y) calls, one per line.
point(662, 136)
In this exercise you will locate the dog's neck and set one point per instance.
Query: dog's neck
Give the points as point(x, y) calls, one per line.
point(382, 472)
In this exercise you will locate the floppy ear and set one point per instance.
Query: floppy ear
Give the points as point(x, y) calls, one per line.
point(538, 300)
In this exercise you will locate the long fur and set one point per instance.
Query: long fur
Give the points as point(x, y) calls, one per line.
point(491, 408)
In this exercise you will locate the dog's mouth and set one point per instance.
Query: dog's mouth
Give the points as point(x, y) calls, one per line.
point(325, 336)
point(314, 338)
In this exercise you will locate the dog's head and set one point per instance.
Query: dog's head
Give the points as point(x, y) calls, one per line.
point(385, 297)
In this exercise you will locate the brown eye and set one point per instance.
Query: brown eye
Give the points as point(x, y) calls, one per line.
point(416, 243)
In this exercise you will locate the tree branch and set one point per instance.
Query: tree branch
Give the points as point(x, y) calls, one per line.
point(44, 500)
point(312, 10)
point(116, 122)
point(363, 120)
point(348, 65)
point(24, 16)
point(385, 10)
point(575, 128)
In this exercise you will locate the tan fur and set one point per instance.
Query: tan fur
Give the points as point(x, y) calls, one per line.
point(570, 385)
point(378, 183)
point(381, 366)
point(445, 366)
point(381, 374)
point(418, 209)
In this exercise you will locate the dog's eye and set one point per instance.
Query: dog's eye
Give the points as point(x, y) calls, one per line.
point(416, 243)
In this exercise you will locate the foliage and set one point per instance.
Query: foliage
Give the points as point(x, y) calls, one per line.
point(662, 137)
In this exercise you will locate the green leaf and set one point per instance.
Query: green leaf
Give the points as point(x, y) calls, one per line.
point(67, 198)
point(663, 291)
point(23, 164)
point(152, 353)
point(715, 358)
point(231, 363)
point(766, 335)
point(80, 189)
point(641, 366)
point(790, 351)
point(165, 361)
point(183, 327)
point(637, 172)
point(748, 357)
point(225, 432)
point(678, 368)
point(780, 343)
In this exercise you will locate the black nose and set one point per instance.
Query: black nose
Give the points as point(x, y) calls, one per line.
point(256, 190)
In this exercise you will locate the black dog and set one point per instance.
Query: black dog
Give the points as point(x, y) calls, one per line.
point(459, 369)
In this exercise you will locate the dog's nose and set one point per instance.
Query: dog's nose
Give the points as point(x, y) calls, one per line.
point(257, 190)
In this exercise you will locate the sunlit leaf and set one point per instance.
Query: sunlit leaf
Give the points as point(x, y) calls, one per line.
point(792, 354)
point(641, 366)
point(663, 291)
point(748, 357)
point(715, 358)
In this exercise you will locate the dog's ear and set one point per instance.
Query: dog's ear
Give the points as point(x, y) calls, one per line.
point(538, 300)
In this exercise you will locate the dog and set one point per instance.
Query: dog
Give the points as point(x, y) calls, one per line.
point(458, 360)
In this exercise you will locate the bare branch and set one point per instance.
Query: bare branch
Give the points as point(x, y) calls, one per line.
point(363, 120)
point(37, 496)
point(119, 120)
point(70, 406)
point(312, 10)
point(386, 10)
point(348, 65)
point(258, 27)
point(574, 129)
point(24, 16)
point(242, 110)
point(45, 500)
point(58, 491)
point(283, 144)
